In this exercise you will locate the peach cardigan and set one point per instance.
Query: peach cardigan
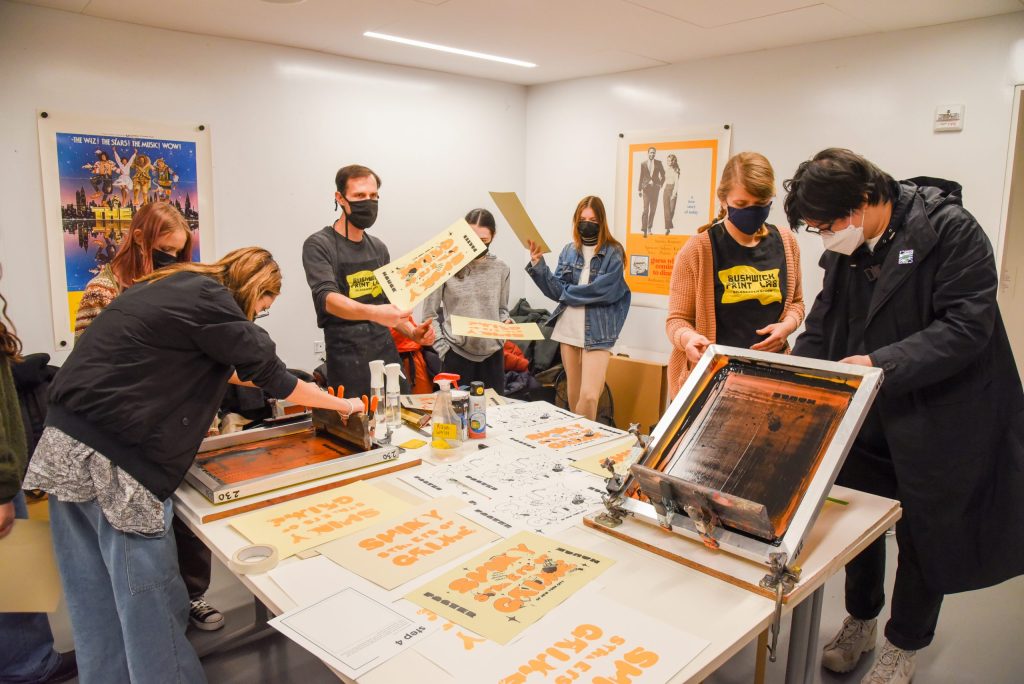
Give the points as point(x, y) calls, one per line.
point(691, 299)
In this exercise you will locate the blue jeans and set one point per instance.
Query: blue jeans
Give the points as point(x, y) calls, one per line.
point(128, 604)
point(26, 654)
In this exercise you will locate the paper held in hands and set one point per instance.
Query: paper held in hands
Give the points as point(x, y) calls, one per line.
point(515, 213)
point(481, 327)
point(408, 280)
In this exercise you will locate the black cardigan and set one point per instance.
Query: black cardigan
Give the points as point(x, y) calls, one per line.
point(144, 382)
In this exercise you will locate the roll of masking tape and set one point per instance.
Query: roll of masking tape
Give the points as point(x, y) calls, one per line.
point(254, 559)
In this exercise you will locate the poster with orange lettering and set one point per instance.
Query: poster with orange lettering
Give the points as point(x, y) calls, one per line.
point(295, 526)
point(590, 639)
point(495, 330)
point(410, 278)
point(410, 544)
point(511, 585)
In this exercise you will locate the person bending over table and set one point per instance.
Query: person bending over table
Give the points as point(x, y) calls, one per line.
point(910, 287)
point(128, 411)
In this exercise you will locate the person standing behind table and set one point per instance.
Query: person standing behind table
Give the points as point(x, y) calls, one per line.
point(671, 192)
point(737, 282)
point(120, 437)
point(480, 290)
point(593, 300)
point(26, 642)
point(158, 236)
point(910, 287)
point(652, 176)
point(351, 307)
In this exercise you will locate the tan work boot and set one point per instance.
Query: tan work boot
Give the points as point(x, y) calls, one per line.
point(856, 638)
point(893, 666)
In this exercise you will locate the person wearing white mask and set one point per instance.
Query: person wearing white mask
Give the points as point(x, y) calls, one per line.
point(910, 287)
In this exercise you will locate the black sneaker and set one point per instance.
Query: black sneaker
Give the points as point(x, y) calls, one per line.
point(204, 616)
point(67, 668)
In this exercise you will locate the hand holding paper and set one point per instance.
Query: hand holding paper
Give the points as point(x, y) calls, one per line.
point(515, 213)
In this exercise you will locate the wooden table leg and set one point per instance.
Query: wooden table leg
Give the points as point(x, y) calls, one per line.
point(761, 657)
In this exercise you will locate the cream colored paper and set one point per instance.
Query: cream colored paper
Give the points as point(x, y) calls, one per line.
point(31, 583)
point(301, 524)
point(619, 451)
point(409, 545)
point(409, 279)
point(515, 213)
point(495, 330)
point(511, 585)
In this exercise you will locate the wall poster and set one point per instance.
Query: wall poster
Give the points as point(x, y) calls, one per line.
point(665, 190)
point(97, 172)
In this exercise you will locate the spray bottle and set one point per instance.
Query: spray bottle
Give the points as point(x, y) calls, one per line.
point(392, 403)
point(377, 390)
point(445, 432)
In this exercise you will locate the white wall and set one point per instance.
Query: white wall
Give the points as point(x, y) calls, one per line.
point(282, 121)
point(874, 94)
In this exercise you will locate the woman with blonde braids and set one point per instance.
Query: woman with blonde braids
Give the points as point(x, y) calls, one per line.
point(127, 413)
point(737, 282)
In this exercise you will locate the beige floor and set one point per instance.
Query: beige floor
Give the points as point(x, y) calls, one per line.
point(979, 639)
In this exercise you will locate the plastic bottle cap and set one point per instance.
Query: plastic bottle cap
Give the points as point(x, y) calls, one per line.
point(377, 373)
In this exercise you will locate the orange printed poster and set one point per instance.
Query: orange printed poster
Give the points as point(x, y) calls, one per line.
point(566, 438)
point(295, 526)
point(409, 279)
point(495, 330)
point(620, 452)
point(410, 544)
point(511, 585)
point(666, 184)
point(593, 639)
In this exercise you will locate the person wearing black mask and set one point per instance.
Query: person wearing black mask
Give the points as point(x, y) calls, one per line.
point(593, 300)
point(351, 307)
point(158, 237)
point(737, 282)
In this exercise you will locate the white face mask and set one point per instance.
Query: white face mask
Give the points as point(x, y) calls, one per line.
point(847, 240)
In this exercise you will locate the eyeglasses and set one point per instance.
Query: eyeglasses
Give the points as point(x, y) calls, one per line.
point(820, 230)
point(262, 314)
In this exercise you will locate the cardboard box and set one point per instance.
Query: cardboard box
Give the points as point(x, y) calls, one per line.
point(639, 390)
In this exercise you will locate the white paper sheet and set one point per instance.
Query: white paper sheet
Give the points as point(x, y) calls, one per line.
point(441, 480)
point(353, 631)
point(521, 416)
point(544, 506)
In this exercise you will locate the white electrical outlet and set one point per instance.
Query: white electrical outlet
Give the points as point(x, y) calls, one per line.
point(318, 347)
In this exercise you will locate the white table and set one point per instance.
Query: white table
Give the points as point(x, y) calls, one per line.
point(685, 587)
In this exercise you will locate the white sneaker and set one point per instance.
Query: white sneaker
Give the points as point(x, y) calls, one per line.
point(856, 638)
point(893, 666)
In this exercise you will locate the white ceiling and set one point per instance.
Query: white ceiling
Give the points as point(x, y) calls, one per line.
point(565, 38)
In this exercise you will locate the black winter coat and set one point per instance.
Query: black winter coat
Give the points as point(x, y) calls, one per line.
point(951, 403)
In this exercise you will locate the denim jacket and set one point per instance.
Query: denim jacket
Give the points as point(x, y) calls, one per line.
point(606, 297)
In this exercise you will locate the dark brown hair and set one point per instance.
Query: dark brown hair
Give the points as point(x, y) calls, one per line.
point(833, 184)
point(353, 171)
point(134, 260)
point(10, 345)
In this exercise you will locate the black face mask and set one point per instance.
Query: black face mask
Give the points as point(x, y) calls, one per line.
point(161, 259)
point(589, 231)
point(363, 213)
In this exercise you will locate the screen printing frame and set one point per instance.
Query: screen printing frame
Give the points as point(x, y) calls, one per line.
point(788, 547)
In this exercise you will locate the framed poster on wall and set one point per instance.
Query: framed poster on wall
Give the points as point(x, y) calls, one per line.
point(97, 172)
point(665, 189)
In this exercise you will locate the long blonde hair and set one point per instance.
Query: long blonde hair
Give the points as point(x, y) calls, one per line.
point(604, 235)
point(249, 272)
point(754, 173)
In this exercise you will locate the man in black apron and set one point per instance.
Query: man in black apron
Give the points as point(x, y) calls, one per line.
point(351, 307)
